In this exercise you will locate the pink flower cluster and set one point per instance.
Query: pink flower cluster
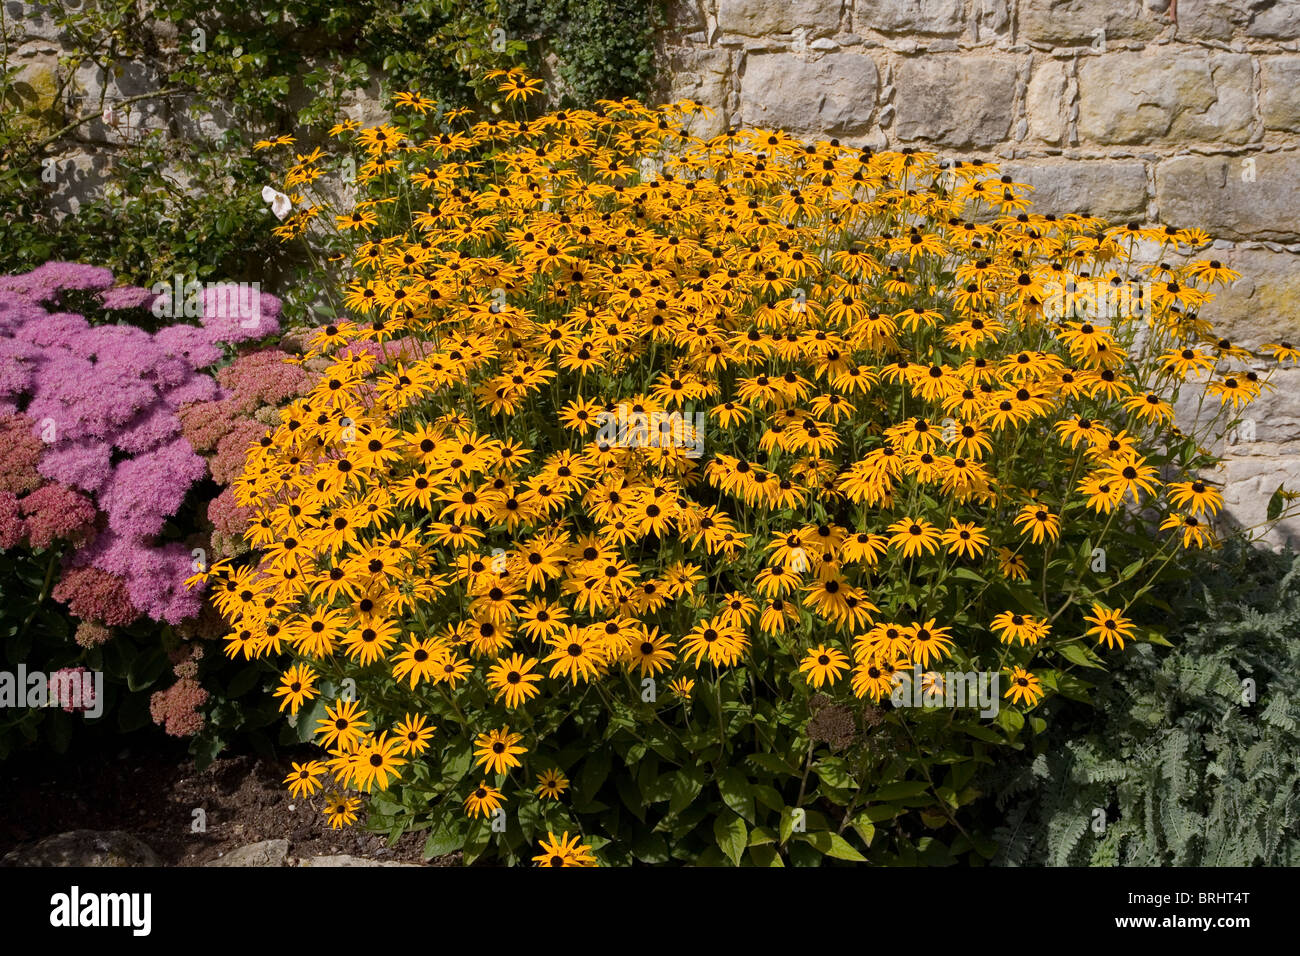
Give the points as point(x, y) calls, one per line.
point(176, 709)
point(102, 403)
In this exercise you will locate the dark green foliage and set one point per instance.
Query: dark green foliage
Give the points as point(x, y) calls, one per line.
point(605, 47)
point(1186, 769)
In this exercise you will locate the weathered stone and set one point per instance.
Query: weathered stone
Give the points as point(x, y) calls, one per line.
point(1210, 19)
point(1232, 197)
point(909, 16)
point(123, 81)
point(701, 75)
point(33, 93)
point(832, 95)
point(756, 18)
point(991, 18)
point(1137, 98)
point(1045, 101)
point(344, 859)
point(85, 848)
point(1280, 92)
point(78, 178)
point(1114, 190)
point(33, 20)
point(1278, 20)
point(1264, 304)
point(200, 120)
point(265, 853)
point(1260, 454)
point(1074, 22)
point(685, 16)
point(955, 101)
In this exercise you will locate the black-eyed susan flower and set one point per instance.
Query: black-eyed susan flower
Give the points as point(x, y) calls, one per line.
point(414, 732)
point(1109, 627)
point(513, 680)
point(297, 686)
point(483, 800)
point(564, 851)
point(341, 810)
point(304, 779)
point(1024, 687)
point(498, 750)
point(823, 665)
point(343, 725)
point(1039, 523)
point(551, 784)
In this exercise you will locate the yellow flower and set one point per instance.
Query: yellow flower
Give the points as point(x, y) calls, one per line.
point(497, 751)
point(304, 779)
point(564, 851)
point(1109, 627)
point(1025, 688)
point(823, 665)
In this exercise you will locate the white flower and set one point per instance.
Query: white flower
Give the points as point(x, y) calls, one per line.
point(281, 204)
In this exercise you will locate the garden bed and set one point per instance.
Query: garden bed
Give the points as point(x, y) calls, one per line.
point(151, 791)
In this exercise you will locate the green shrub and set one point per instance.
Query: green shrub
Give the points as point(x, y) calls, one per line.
point(1180, 762)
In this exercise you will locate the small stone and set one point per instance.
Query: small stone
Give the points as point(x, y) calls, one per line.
point(1139, 98)
point(1045, 101)
point(756, 18)
point(909, 16)
point(956, 102)
point(832, 95)
point(1112, 190)
point(1076, 22)
point(1233, 197)
point(1280, 92)
point(265, 853)
point(85, 848)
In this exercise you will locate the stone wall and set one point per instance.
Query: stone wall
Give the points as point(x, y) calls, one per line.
point(1181, 111)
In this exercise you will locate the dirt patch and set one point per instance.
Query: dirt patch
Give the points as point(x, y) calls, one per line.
point(152, 789)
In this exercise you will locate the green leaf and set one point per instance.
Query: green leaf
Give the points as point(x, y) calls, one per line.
point(146, 669)
point(764, 855)
point(736, 792)
point(1275, 504)
point(306, 726)
point(832, 845)
point(773, 764)
point(650, 848)
point(1076, 653)
point(864, 828)
point(1011, 719)
point(1155, 637)
point(594, 771)
point(686, 786)
point(966, 574)
point(899, 791)
point(731, 835)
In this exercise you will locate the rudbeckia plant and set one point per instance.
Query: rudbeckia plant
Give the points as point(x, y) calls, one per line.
point(722, 500)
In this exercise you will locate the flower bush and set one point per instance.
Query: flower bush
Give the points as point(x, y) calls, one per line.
point(699, 456)
point(98, 480)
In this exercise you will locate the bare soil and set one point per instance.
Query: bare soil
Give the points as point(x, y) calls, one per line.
point(151, 791)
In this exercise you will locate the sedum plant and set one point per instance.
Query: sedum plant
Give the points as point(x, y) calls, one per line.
point(719, 501)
